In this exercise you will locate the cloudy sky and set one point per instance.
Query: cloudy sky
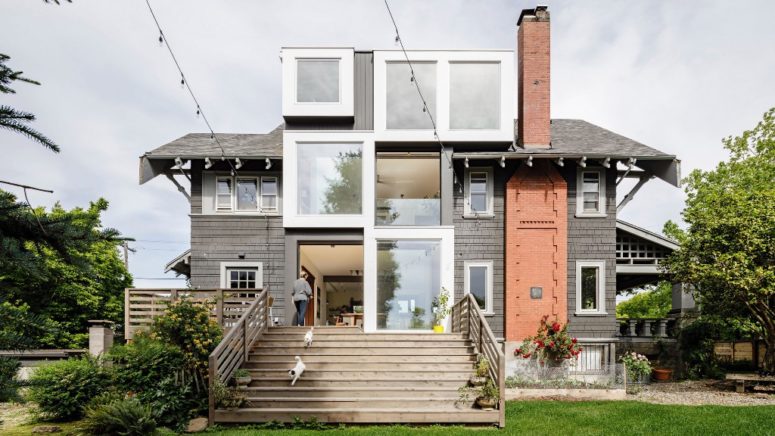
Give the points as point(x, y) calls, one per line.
point(678, 76)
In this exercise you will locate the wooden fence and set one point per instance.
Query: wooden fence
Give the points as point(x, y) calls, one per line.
point(468, 319)
point(141, 306)
point(740, 351)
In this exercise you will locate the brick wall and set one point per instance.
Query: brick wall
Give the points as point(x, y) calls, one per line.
point(536, 248)
point(533, 69)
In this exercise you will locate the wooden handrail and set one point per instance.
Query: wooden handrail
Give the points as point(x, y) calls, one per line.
point(234, 348)
point(468, 318)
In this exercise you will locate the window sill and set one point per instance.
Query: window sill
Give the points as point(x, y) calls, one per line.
point(591, 314)
point(484, 216)
point(591, 215)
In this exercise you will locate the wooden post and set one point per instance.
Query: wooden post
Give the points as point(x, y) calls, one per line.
point(481, 334)
point(219, 307)
point(173, 295)
point(211, 370)
point(127, 330)
point(502, 389)
point(245, 348)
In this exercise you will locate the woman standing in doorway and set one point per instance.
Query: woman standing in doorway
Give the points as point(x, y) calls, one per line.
point(301, 294)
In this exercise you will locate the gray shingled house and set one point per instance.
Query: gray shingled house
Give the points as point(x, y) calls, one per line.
point(511, 211)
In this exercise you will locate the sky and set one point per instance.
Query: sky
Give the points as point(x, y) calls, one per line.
point(677, 76)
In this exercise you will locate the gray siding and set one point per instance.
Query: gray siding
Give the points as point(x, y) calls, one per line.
point(592, 239)
point(482, 239)
point(363, 105)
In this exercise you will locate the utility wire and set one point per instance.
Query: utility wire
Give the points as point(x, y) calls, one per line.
point(416, 82)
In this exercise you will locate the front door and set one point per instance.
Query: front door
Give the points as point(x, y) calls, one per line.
point(335, 274)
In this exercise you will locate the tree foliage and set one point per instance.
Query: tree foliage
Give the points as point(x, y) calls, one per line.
point(727, 252)
point(58, 269)
point(654, 302)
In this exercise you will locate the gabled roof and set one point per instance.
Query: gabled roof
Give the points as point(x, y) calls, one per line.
point(181, 264)
point(650, 236)
point(243, 145)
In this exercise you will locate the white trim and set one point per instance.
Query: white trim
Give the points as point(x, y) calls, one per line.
point(647, 235)
point(343, 108)
point(243, 264)
point(602, 211)
point(601, 303)
point(488, 292)
point(443, 59)
point(210, 194)
point(468, 213)
point(646, 269)
point(268, 210)
point(232, 189)
point(445, 234)
point(291, 217)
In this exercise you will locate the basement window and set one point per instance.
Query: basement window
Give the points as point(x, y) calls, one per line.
point(590, 193)
point(590, 287)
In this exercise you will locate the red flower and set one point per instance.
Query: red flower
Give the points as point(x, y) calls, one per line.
point(556, 326)
point(526, 355)
point(551, 344)
point(574, 340)
point(518, 351)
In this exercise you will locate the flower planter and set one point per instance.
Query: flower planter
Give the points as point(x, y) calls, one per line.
point(486, 403)
point(243, 381)
point(662, 375)
point(477, 381)
point(438, 329)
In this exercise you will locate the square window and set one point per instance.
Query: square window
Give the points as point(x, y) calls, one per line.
point(474, 95)
point(404, 106)
point(408, 191)
point(330, 178)
point(317, 80)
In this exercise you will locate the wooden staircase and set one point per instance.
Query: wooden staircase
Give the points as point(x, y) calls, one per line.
point(355, 377)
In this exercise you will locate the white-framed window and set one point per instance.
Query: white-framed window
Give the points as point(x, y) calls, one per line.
point(330, 178)
point(590, 287)
point(479, 192)
point(404, 107)
point(242, 275)
point(590, 193)
point(223, 193)
point(318, 82)
point(247, 194)
point(478, 282)
point(474, 95)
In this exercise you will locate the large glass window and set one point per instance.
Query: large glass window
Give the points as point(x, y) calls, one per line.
point(404, 106)
point(408, 279)
point(317, 80)
point(329, 178)
point(474, 95)
point(408, 189)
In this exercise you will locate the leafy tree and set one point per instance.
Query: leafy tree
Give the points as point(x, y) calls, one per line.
point(344, 192)
point(654, 302)
point(727, 252)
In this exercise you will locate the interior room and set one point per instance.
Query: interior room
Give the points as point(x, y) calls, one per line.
point(335, 274)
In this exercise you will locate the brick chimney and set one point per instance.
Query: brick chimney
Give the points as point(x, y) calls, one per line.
point(533, 78)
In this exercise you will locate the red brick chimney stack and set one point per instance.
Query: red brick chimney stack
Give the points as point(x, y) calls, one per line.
point(533, 78)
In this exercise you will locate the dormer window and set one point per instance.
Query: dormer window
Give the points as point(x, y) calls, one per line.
point(317, 80)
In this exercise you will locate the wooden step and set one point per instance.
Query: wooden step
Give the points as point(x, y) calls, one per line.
point(360, 415)
point(408, 365)
point(445, 392)
point(358, 374)
point(363, 351)
point(411, 403)
point(363, 343)
point(265, 357)
point(321, 336)
point(325, 329)
point(375, 382)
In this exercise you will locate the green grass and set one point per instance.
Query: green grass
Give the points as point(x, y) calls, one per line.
point(583, 418)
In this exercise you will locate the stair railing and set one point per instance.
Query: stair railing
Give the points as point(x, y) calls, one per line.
point(234, 348)
point(467, 318)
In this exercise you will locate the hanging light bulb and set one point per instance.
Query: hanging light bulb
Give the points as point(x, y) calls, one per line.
point(239, 163)
point(182, 81)
point(503, 162)
point(161, 39)
point(411, 79)
point(398, 40)
point(197, 111)
point(208, 163)
point(529, 161)
point(268, 163)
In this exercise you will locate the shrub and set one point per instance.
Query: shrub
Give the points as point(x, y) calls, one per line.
point(63, 389)
point(552, 342)
point(127, 417)
point(637, 365)
point(8, 383)
point(187, 325)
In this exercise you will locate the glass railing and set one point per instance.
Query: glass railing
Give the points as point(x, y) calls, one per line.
point(408, 212)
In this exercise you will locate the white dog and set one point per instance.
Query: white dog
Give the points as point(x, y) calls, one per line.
point(308, 338)
point(297, 370)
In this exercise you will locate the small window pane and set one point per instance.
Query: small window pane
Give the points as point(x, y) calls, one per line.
point(269, 193)
point(404, 105)
point(478, 202)
point(474, 95)
point(478, 192)
point(234, 275)
point(246, 194)
point(589, 288)
point(242, 278)
point(317, 81)
point(223, 194)
point(477, 285)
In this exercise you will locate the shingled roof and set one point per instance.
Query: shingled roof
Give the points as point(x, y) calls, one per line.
point(243, 145)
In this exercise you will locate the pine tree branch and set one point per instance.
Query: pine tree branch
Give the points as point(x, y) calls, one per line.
point(14, 120)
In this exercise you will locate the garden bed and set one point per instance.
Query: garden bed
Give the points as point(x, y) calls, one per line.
point(565, 393)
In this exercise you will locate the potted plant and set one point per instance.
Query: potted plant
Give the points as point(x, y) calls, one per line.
point(482, 371)
point(489, 395)
point(440, 310)
point(662, 374)
point(226, 397)
point(638, 367)
point(242, 377)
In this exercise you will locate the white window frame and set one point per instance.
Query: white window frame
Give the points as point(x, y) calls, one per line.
point(443, 59)
point(235, 196)
point(291, 215)
point(343, 108)
point(467, 212)
point(500, 68)
point(488, 291)
point(231, 207)
point(601, 284)
point(268, 210)
point(259, 266)
point(580, 212)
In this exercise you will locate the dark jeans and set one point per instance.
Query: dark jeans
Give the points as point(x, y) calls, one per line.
point(301, 311)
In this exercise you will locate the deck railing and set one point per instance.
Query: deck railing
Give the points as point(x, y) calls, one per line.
point(236, 344)
point(647, 327)
point(468, 319)
point(141, 306)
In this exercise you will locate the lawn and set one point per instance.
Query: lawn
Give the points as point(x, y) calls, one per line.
point(587, 418)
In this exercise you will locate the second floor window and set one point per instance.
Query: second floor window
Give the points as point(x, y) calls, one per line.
point(479, 189)
point(243, 193)
point(474, 95)
point(317, 81)
point(329, 178)
point(404, 105)
point(590, 193)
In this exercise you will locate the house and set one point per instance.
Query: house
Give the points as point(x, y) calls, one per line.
point(384, 195)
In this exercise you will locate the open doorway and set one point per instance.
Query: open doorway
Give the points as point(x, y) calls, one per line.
point(335, 273)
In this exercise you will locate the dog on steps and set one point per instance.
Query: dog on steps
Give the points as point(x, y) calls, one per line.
point(295, 372)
